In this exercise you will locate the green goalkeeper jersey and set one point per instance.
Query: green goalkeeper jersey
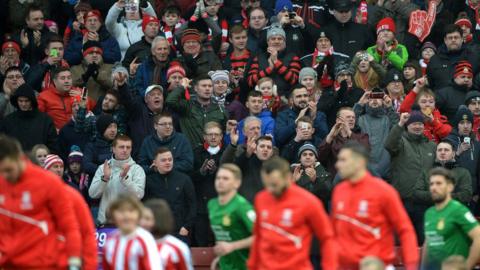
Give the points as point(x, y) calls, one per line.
point(446, 233)
point(232, 222)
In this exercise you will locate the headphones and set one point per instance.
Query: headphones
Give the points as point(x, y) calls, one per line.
point(274, 89)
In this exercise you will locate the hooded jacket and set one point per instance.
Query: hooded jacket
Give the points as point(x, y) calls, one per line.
point(463, 185)
point(377, 124)
point(194, 116)
point(267, 128)
point(177, 189)
point(23, 124)
point(449, 98)
point(126, 32)
point(412, 156)
point(133, 183)
point(177, 143)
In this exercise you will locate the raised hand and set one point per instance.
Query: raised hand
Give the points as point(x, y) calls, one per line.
point(125, 170)
point(134, 66)
point(24, 38)
point(107, 171)
point(403, 119)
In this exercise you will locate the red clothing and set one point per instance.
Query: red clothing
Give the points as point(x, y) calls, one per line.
point(437, 129)
point(87, 231)
point(364, 216)
point(476, 126)
point(33, 212)
point(174, 254)
point(58, 106)
point(284, 229)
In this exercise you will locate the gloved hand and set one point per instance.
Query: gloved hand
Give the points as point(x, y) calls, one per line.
point(92, 71)
point(143, 4)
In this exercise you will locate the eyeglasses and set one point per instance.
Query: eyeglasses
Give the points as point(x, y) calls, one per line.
point(11, 77)
point(165, 124)
point(213, 134)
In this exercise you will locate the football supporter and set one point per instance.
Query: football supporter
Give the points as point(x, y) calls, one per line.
point(367, 213)
point(174, 253)
point(288, 218)
point(450, 228)
point(231, 218)
point(130, 247)
point(54, 164)
point(34, 210)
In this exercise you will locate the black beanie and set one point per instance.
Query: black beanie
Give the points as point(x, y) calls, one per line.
point(463, 113)
point(103, 122)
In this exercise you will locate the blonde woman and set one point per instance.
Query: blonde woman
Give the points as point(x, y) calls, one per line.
point(368, 73)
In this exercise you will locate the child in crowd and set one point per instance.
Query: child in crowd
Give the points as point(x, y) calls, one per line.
point(427, 51)
point(171, 22)
point(221, 88)
point(130, 242)
point(411, 72)
point(308, 77)
point(267, 87)
point(75, 176)
point(39, 154)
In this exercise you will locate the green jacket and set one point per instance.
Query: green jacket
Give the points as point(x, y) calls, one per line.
point(412, 157)
point(193, 116)
point(322, 187)
point(397, 57)
point(463, 185)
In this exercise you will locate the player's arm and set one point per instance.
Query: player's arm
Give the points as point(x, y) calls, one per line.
point(320, 224)
point(403, 227)
point(223, 248)
point(424, 253)
point(474, 254)
point(254, 249)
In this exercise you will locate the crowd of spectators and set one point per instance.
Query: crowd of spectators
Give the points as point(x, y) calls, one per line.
point(152, 97)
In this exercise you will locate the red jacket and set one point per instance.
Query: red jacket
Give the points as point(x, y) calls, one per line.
point(437, 129)
point(364, 217)
point(476, 126)
point(284, 229)
point(33, 212)
point(58, 106)
point(87, 231)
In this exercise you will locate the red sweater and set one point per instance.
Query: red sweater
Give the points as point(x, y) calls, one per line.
point(284, 228)
point(33, 212)
point(87, 231)
point(365, 216)
point(437, 129)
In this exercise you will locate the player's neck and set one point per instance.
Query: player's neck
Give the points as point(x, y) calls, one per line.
point(226, 198)
point(440, 206)
point(357, 177)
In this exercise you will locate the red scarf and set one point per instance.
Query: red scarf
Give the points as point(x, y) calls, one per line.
point(362, 13)
point(318, 56)
point(423, 64)
point(475, 8)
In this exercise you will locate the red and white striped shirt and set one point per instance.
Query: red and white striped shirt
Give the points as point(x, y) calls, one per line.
point(174, 254)
point(136, 251)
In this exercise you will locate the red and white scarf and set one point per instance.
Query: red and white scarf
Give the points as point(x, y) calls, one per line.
point(318, 56)
point(362, 13)
point(475, 7)
point(169, 34)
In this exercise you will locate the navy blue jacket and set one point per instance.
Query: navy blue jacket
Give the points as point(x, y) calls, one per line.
point(144, 76)
point(95, 154)
point(177, 143)
point(68, 137)
point(111, 49)
point(285, 128)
